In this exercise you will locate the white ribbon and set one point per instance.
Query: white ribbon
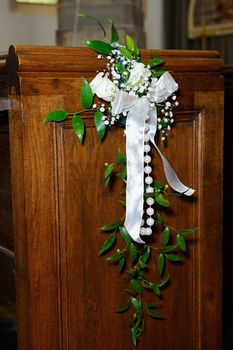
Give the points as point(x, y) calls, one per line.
point(138, 108)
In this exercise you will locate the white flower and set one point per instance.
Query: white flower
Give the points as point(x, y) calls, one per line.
point(162, 88)
point(103, 87)
point(138, 74)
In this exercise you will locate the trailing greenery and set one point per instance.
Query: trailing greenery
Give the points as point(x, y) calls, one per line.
point(141, 259)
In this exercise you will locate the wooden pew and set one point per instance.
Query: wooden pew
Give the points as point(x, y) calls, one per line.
point(67, 294)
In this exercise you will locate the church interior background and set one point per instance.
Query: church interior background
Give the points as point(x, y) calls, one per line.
point(163, 24)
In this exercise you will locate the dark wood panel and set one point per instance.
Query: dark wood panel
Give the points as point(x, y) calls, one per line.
point(66, 295)
point(6, 228)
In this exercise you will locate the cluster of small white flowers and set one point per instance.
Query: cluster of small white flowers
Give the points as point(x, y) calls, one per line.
point(136, 79)
point(166, 116)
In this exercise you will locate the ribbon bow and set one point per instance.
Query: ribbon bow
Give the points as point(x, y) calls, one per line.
point(139, 109)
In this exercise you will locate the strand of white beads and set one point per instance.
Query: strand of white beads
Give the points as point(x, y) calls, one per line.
point(147, 231)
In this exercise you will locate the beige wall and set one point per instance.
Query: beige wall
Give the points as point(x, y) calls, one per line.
point(154, 24)
point(26, 24)
point(36, 25)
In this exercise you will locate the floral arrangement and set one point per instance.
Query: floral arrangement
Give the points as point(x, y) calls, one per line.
point(140, 98)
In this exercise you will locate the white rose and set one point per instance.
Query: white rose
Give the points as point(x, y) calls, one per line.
point(103, 87)
point(160, 89)
point(138, 74)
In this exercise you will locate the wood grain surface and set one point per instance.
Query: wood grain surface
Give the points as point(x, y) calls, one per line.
point(66, 294)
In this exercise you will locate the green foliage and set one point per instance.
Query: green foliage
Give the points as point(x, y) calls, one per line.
point(163, 282)
point(107, 173)
point(168, 248)
point(121, 158)
point(86, 96)
point(129, 43)
point(126, 53)
point(136, 330)
point(136, 286)
point(121, 264)
point(100, 46)
point(181, 243)
point(56, 116)
point(160, 263)
point(163, 202)
point(125, 236)
point(111, 227)
point(78, 127)
point(174, 257)
point(158, 73)
point(114, 32)
point(138, 256)
point(145, 254)
point(123, 173)
point(82, 14)
point(133, 252)
point(156, 61)
point(108, 243)
point(99, 124)
point(123, 308)
point(153, 314)
point(187, 231)
point(166, 236)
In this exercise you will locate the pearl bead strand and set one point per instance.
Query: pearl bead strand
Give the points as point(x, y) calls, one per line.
point(147, 231)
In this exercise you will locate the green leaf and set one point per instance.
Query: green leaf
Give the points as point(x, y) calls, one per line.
point(159, 219)
point(158, 185)
point(166, 236)
point(158, 73)
point(108, 244)
point(156, 61)
point(55, 116)
point(136, 286)
point(107, 173)
point(131, 292)
point(82, 14)
point(162, 201)
point(78, 127)
point(168, 248)
point(146, 254)
point(125, 52)
point(137, 305)
point(146, 284)
point(174, 257)
point(153, 314)
point(129, 43)
point(123, 173)
point(123, 308)
point(99, 124)
point(160, 263)
point(111, 227)
point(181, 243)
point(86, 96)
point(123, 202)
point(126, 236)
point(114, 32)
point(187, 231)
point(116, 257)
point(121, 264)
point(156, 290)
point(100, 46)
point(163, 281)
point(121, 69)
point(153, 306)
point(133, 252)
point(136, 331)
point(121, 158)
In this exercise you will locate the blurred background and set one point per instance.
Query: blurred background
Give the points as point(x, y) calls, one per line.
point(161, 24)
